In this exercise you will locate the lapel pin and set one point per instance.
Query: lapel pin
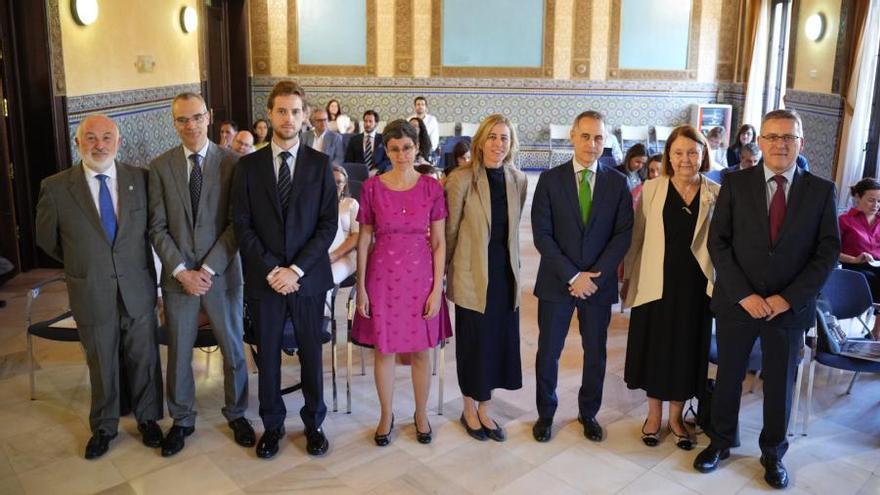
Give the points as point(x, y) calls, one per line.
point(131, 188)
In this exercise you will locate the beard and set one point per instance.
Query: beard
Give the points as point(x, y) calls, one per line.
point(98, 165)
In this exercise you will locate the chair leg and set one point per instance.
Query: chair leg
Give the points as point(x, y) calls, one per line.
point(363, 363)
point(442, 375)
point(434, 367)
point(30, 348)
point(333, 363)
point(809, 396)
point(348, 377)
point(852, 382)
point(755, 381)
point(208, 364)
point(792, 421)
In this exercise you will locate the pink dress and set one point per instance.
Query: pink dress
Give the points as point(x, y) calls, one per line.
point(400, 268)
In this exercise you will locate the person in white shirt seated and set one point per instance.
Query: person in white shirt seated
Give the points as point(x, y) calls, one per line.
point(717, 151)
point(339, 122)
point(420, 105)
point(343, 250)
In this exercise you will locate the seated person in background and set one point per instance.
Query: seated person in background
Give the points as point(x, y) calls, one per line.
point(460, 157)
point(228, 129)
point(307, 119)
point(322, 139)
point(612, 147)
point(633, 166)
point(343, 250)
point(750, 155)
point(745, 135)
point(423, 157)
point(717, 151)
point(339, 122)
point(243, 143)
point(368, 147)
point(654, 167)
point(860, 237)
point(262, 133)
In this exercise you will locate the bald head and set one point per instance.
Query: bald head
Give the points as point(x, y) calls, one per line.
point(243, 143)
point(97, 140)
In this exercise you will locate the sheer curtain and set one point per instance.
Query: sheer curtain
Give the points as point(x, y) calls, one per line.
point(851, 158)
point(752, 108)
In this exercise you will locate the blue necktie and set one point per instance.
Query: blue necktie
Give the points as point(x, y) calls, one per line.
point(105, 204)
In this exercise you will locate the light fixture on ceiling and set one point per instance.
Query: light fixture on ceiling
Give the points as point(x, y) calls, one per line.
point(84, 12)
point(189, 20)
point(815, 27)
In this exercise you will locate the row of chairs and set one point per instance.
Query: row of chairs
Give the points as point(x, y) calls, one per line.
point(629, 135)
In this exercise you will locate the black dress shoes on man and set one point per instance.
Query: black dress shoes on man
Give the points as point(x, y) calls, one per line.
point(267, 447)
point(175, 439)
point(592, 429)
point(243, 432)
point(151, 434)
point(543, 429)
point(316, 442)
point(775, 473)
point(98, 444)
point(707, 460)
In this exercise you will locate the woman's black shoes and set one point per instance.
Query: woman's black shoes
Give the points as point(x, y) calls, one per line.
point(475, 433)
point(650, 439)
point(382, 440)
point(423, 437)
point(496, 433)
point(684, 442)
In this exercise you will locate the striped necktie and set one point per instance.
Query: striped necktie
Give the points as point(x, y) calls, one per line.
point(284, 181)
point(368, 151)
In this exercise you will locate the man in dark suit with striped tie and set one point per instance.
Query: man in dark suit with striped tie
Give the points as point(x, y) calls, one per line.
point(285, 214)
point(368, 148)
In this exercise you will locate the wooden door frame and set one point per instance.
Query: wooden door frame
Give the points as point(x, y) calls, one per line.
point(238, 40)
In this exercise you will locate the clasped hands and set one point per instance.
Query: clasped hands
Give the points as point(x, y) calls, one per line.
point(283, 280)
point(195, 282)
point(583, 286)
point(769, 308)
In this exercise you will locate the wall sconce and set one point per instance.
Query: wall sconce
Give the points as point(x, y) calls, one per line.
point(84, 12)
point(815, 27)
point(189, 20)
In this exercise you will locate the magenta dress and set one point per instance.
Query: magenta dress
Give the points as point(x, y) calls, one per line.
point(400, 268)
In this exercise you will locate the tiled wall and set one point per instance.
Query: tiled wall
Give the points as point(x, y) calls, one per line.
point(143, 117)
point(533, 104)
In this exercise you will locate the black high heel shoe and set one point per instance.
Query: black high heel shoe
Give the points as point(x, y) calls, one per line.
point(423, 437)
point(684, 442)
point(650, 439)
point(475, 433)
point(384, 440)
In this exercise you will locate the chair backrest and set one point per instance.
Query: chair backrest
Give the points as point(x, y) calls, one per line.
point(356, 171)
point(662, 132)
point(380, 126)
point(847, 293)
point(354, 189)
point(469, 129)
point(715, 175)
point(559, 131)
point(634, 133)
point(608, 161)
point(446, 129)
point(346, 138)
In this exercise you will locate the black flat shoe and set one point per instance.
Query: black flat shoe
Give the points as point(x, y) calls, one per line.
point(775, 473)
point(592, 429)
point(650, 439)
point(174, 440)
point(267, 447)
point(384, 440)
point(243, 432)
point(707, 460)
point(98, 445)
point(543, 430)
point(684, 442)
point(151, 434)
point(316, 442)
point(496, 434)
point(423, 437)
point(475, 433)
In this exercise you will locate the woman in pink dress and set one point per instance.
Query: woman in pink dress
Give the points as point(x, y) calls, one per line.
point(401, 257)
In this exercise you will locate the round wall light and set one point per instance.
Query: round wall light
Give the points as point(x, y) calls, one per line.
point(84, 12)
point(814, 28)
point(189, 20)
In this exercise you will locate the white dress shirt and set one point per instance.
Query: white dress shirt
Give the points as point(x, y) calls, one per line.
point(95, 186)
point(318, 141)
point(433, 128)
point(771, 184)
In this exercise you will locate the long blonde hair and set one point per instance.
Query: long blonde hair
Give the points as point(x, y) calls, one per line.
point(482, 135)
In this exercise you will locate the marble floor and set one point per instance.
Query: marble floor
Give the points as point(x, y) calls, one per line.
point(41, 441)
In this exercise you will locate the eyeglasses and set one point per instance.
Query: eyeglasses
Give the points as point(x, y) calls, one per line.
point(405, 149)
point(197, 119)
point(786, 138)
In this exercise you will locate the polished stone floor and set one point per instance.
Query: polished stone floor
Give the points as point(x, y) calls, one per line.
point(41, 441)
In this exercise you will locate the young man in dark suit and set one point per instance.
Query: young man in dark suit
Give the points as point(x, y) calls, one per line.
point(773, 240)
point(368, 147)
point(284, 214)
point(582, 220)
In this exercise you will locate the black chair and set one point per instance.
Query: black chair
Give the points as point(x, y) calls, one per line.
point(356, 171)
point(848, 295)
point(59, 328)
point(205, 342)
point(354, 189)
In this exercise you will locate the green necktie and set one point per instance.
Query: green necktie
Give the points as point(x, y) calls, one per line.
point(585, 195)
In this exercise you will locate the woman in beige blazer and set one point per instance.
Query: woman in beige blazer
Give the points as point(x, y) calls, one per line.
point(485, 203)
point(668, 282)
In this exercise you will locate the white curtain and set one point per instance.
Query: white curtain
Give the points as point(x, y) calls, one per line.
point(857, 116)
point(753, 106)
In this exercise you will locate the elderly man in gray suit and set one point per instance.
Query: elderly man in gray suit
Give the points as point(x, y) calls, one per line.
point(92, 218)
point(322, 139)
point(191, 228)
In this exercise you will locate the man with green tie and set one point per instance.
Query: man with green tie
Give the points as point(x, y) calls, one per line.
point(582, 221)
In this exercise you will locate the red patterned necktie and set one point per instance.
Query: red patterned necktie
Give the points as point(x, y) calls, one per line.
point(777, 208)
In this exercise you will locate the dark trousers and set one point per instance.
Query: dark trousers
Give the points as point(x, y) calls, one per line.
point(553, 322)
point(269, 315)
point(780, 349)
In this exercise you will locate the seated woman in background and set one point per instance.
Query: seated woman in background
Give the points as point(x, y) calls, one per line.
point(459, 157)
point(262, 133)
point(337, 121)
point(633, 166)
point(654, 167)
point(423, 157)
point(860, 238)
point(343, 250)
point(746, 134)
point(717, 151)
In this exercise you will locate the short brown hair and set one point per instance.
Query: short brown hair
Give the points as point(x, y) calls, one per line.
point(785, 114)
point(285, 88)
point(691, 133)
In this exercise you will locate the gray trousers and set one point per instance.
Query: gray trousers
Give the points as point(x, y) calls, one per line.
point(140, 355)
point(224, 309)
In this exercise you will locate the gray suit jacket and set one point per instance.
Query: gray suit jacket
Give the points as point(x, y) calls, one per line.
point(211, 241)
point(332, 145)
point(69, 229)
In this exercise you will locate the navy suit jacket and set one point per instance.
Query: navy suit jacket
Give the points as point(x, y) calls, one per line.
point(266, 240)
point(355, 152)
point(568, 247)
point(795, 267)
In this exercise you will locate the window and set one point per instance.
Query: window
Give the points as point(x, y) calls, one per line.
point(777, 54)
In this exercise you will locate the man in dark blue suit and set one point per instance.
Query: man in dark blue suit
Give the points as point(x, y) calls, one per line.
point(582, 220)
point(773, 240)
point(284, 214)
point(368, 147)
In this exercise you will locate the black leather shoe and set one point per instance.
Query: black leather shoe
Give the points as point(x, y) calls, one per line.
point(267, 447)
point(243, 432)
point(98, 444)
point(707, 460)
point(775, 473)
point(151, 434)
point(496, 433)
point(316, 442)
point(174, 440)
point(423, 436)
point(592, 429)
point(475, 433)
point(543, 429)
